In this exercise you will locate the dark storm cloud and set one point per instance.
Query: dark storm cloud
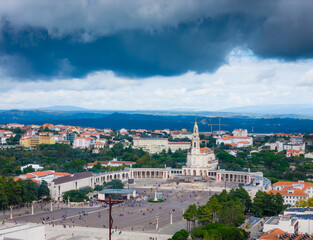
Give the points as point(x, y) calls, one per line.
point(177, 44)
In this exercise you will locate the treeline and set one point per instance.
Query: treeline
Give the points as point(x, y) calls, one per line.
point(274, 166)
point(18, 193)
point(223, 213)
point(61, 157)
point(170, 159)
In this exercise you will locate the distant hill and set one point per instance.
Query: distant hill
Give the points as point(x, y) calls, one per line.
point(156, 121)
point(295, 109)
point(63, 108)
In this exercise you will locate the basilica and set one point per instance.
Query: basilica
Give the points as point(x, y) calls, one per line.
point(199, 160)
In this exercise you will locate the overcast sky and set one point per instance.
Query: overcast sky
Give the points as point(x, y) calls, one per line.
point(155, 54)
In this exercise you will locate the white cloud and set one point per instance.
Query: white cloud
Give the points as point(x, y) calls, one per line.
point(307, 79)
point(226, 88)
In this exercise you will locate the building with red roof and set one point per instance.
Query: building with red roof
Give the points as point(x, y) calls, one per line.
point(293, 191)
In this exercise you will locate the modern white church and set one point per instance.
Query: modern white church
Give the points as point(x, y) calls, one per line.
point(199, 160)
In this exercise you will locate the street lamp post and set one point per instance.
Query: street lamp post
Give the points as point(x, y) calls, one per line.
point(171, 217)
point(11, 215)
point(157, 222)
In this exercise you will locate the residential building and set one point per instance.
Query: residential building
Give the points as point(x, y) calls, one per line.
point(220, 133)
point(36, 167)
point(294, 153)
point(296, 139)
point(82, 142)
point(112, 163)
point(240, 133)
point(235, 141)
point(47, 176)
point(278, 234)
point(59, 138)
point(281, 146)
point(15, 125)
point(293, 191)
point(181, 134)
point(123, 131)
point(309, 155)
point(96, 150)
point(98, 145)
point(30, 141)
point(272, 146)
point(46, 134)
point(46, 140)
point(292, 221)
point(70, 136)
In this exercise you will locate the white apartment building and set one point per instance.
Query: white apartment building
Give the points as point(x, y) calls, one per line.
point(235, 141)
point(82, 142)
point(240, 133)
point(293, 220)
point(308, 155)
point(98, 145)
point(296, 139)
point(59, 138)
point(181, 134)
point(151, 145)
point(281, 146)
point(174, 146)
point(293, 191)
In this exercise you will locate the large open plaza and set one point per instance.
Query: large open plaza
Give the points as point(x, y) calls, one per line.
point(130, 218)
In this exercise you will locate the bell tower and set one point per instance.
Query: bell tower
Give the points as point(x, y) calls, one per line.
point(195, 148)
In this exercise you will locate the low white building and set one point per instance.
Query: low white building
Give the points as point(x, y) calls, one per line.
point(98, 145)
point(151, 145)
point(76, 181)
point(296, 139)
point(293, 191)
point(181, 134)
point(240, 133)
point(291, 222)
point(235, 141)
point(36, 167)
point(281, 146)
point(309, 155)
point(272, 146)
point(82, 142)
point(174, 146)
point(123, 131)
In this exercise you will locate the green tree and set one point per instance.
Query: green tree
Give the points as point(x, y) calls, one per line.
point(75, 196)
point(205, 214)
point(43, 190)
point(4, 201)
point(243, 196)
point(232, 213)
point(267, 204)
point(28, 169)
point(115, 184)
point(218, 231)
point(180, 235)
point(191, 214)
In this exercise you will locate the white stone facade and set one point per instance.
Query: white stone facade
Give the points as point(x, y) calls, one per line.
point(197, 160)
point(174, 146)
point(82, 142)
point(151, 145)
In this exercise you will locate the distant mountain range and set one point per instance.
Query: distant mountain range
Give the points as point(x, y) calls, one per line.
point(158, 120)
point(281, 110)
point(294, 109)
